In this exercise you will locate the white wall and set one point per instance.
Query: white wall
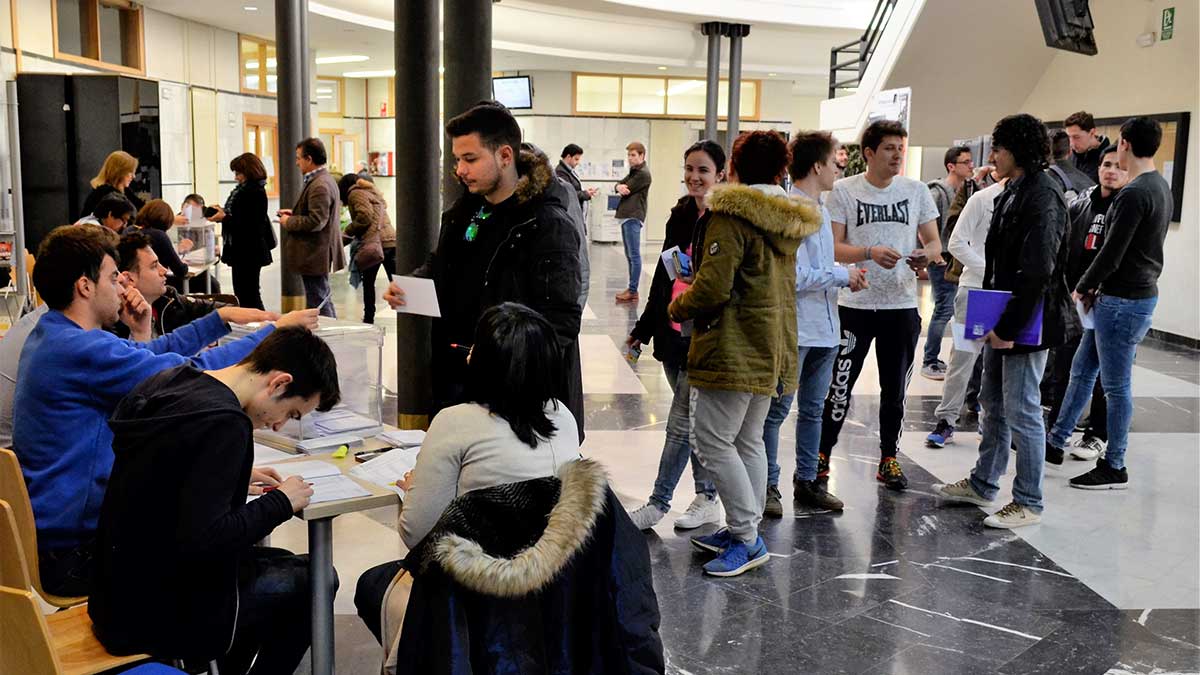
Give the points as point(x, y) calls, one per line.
point(1124, 79)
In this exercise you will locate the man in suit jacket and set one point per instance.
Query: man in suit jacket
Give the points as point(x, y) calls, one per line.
point(572, 155)
point(314, 243)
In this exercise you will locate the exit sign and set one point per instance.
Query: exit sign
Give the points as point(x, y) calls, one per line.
point(1168, 23)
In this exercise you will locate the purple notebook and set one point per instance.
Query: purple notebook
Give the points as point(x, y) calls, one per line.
point(983, 313)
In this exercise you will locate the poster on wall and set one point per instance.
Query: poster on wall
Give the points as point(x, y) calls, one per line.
point(891, 104)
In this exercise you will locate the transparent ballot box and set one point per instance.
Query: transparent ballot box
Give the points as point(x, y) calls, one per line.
point(358, 348)
point(204, 237)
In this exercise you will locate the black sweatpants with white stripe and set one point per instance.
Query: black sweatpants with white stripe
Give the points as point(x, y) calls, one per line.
point(895, 333)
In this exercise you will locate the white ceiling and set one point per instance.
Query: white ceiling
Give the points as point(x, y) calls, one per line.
point(579, 35)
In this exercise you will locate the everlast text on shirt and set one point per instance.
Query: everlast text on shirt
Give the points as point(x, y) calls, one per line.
point(882, 213)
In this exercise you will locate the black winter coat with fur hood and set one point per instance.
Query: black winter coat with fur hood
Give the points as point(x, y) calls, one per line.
point(499, 591)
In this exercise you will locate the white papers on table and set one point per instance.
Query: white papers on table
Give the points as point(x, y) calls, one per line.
point(308, 469)
point(264, 454)
point(1085, 316)
point(333, 488)
point(420, 296)
point(403, 438)
point(961, 342)
point(327, 481)
point(196, 257)
point(388, 468)
point(340, 420)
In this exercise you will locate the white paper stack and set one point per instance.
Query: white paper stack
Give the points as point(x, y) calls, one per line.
point(341, 420)
point(403, 438)
point(327, 481)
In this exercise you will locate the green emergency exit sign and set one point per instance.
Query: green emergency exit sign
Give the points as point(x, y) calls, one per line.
point(1168, 24)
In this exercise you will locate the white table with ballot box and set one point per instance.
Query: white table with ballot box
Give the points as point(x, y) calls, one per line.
point(203, 256)
point(349, 456)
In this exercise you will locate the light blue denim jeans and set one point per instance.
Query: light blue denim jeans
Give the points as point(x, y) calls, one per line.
point(631, 235)
point(1107, 351)
point(678, 447)
point(943, 310)
point(816, 371)
point(1012, 414)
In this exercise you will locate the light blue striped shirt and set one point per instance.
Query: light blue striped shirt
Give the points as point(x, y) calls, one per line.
point(817, 282)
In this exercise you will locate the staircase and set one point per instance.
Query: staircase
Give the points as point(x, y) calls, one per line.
point(853, 57)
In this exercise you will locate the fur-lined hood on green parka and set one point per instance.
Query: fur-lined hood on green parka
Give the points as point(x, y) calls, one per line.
point(743, 299)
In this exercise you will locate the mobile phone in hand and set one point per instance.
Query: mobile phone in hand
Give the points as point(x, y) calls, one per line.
point(210, 211)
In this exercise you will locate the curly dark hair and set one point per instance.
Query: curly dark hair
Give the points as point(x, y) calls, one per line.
point(759, 157)
point(1026, 138)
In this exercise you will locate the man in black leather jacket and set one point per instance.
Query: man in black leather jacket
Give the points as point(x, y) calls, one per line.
point(172, 309)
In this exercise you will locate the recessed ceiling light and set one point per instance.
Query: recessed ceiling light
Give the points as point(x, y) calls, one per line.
point(344, 58)
point(770, 74)
point(662, 67)
point(250, 8)
point(370, 73)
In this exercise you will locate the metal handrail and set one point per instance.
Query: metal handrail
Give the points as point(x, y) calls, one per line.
point(862, 49)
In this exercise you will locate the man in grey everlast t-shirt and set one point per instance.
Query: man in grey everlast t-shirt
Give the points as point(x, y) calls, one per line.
point(877, 217)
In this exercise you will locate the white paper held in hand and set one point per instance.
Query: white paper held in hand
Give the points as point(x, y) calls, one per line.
point(420, 296)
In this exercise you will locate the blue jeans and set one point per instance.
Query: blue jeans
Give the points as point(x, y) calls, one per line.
point(943, 311)
point(631, 235)
point(1107, 351)
point(1012, 414)
point(316, 291)
point(678, 447)
point(816, 372)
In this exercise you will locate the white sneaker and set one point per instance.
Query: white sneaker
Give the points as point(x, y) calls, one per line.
point(1088, 448)
point(1011, 516)
point(702, 510)
point(646, 517)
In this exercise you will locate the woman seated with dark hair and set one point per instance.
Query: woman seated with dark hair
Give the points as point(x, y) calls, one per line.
point(507, 526)
point(512, 429)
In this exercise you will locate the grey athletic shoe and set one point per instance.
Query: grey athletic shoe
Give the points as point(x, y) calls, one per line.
point(646, 517)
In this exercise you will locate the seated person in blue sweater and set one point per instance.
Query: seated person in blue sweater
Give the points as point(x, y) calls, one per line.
point(177, 572)
point(71, 375)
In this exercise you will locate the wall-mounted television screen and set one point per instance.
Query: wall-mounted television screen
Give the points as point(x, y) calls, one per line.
point(516, 93)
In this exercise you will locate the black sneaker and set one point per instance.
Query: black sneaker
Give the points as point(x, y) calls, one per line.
point(808, 494)
point(1053, 455)
point(891, 475)
point(1103, 477)
point(774, 506)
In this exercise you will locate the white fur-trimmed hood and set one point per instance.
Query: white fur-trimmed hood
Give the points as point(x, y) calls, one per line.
point(581, 501)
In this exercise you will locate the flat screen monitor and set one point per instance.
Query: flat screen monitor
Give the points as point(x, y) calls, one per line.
point(1067, 24)
point(516, 93)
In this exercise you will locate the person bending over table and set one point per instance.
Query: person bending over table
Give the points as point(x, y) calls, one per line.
point(177, 571)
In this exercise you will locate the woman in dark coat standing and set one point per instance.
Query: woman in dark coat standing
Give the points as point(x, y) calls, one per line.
point(246, 229)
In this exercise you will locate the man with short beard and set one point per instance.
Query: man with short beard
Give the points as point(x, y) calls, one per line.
point(508, 238)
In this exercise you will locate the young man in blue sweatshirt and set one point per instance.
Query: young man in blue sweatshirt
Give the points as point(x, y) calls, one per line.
point(71, 376)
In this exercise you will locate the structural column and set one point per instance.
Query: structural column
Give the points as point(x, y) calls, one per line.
point(295, 124)
point(736, 32)
point(418, 207)
point(468, 54)
point(713, 30)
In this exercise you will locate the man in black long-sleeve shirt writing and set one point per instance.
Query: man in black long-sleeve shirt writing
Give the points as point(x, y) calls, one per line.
point(177, 574)
point(1121, 289)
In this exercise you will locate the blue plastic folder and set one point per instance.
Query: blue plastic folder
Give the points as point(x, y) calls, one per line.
point(983, 313)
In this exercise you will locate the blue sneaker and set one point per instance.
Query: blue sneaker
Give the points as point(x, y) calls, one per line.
point(942, 434)
point(738, 558)
point(716, 542)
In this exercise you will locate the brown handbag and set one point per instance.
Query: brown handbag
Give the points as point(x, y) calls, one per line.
point(369, 254)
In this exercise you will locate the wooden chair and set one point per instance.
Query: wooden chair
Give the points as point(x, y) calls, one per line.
point(59, 644)
point(12, 490)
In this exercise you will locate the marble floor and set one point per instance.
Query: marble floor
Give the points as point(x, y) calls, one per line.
point(898, 583)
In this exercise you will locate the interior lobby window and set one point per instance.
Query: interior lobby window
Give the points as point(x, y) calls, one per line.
point(640, 96)
point(104, 33)
point(330, 96)
point(259, 66)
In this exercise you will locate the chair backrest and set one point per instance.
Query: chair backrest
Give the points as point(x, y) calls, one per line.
point(27, 647)
point(35, 299)
point(13, 491)
point(14, 573)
